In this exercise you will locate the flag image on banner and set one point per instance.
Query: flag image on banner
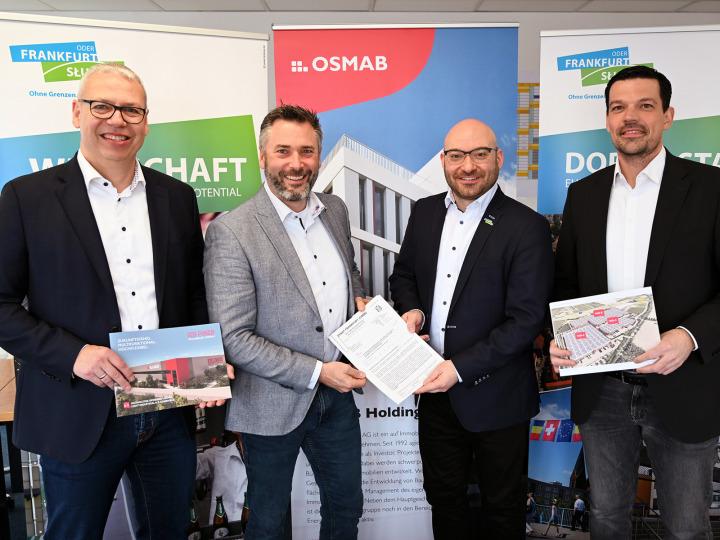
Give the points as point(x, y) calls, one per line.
point(536, 429)
point(565, 430)
point(550, 465)
point(550, 431)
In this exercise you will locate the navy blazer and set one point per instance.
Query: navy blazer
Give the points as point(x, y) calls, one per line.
point(683, 269)
point(497, 309)
point(52, 254)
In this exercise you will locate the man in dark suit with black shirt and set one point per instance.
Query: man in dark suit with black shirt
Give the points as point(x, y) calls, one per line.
point(475, 272)
point(651, 220)
point(99, 244)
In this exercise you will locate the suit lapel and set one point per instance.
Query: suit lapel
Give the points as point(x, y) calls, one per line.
point(74, 199)
point(159, 213)
point(596, 235)
point(437, 221)
point(673, 190)
point(273, 228)
point(492, 217)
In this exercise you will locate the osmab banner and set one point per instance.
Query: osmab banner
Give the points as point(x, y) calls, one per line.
point(386, 96)
point(574, 70)
point(207, 93)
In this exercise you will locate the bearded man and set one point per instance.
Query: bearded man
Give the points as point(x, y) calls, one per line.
point(475, 273)
point(281, 277)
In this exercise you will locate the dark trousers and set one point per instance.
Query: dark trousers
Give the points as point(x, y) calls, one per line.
point(330, 437)
point(576, 520)
point(624, 417)
point(450, 454)
point(157, 456)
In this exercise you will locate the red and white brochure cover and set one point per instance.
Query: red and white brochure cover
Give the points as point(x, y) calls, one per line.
point(606, 332)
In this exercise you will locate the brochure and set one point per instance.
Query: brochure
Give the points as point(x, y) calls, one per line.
point(173, 367)
point(607, 331)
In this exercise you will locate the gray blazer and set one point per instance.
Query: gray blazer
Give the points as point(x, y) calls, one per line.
point(272, 331)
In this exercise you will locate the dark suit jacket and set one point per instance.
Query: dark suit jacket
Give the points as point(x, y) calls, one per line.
point(52, 253)
point(683, 269)
point(496, 311)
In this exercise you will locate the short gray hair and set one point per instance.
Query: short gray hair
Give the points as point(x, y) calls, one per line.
point(117, 69)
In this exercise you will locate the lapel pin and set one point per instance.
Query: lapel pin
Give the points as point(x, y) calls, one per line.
point(489, 221)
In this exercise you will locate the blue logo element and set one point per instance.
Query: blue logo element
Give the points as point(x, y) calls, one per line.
point(595, 59)
point(79, 51)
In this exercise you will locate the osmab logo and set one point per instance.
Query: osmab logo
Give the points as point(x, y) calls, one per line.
point(596, 67)
point(341, 63)
point(59, 61)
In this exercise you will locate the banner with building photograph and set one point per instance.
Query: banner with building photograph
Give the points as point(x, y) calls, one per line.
point(575, 67)
point(386, 97)
point(200, 133)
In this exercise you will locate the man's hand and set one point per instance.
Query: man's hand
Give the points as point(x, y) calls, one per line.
point(361, 302)
point(674, 348)
point(414, 320)
point(217, 403)
point(442, 378)
point(560, 357)
point(341, 376)
point(102, 367)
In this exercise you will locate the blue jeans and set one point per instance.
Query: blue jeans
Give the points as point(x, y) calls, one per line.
point(330, 437)
point(623, 417)
point(157, 456)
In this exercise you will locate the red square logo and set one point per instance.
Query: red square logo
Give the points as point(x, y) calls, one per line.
point(580, 335)
point(598, 313)
point(613, 320)
point(126, 405)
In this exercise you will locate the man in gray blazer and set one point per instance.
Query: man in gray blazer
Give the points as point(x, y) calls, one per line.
point(280, 278)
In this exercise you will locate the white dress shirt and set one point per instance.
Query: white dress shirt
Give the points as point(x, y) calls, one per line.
point(458, 231)
point(124, 224)
point(323, 267)
point(629, 224)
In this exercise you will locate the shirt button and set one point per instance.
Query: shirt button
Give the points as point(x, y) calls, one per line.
point(444, 303)
point(118, 199)
point(124, 229)
point(139, 326)
point(318, 328)
point(447, 275)
point(454, 248)
point(330, 310)
point(324, 283)
point(105, 184)
point(462, 222)
point(314, 256)
point(128, 261)
point(442, 329)
point(133, 293)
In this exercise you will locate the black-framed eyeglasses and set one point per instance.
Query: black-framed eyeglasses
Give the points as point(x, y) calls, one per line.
point(478, 155)
point(103, 110)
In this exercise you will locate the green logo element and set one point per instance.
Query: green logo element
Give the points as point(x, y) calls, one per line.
point(69, 71)
point(595, 76)
point(217, 157)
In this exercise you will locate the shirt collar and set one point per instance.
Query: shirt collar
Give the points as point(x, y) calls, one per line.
point(90, 173)
point(653, 171)
point(312, 210)
point(483, 201)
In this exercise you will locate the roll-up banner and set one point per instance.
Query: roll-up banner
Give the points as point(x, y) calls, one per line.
point(386, 96)
point(575, 67)
point(207, 93)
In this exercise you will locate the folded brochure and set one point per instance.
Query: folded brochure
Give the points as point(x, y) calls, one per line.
point(606, 332)
point(173, 367)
